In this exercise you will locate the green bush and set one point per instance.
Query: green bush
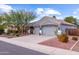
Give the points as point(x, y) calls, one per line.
point(12, 31)
point(2, 27)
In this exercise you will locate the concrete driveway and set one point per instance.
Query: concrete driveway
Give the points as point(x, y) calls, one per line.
point(32, 38)
point(29, 42)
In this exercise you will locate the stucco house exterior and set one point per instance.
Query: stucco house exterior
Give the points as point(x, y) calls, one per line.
point(49, 26)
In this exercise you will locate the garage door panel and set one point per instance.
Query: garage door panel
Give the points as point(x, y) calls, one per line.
point(49, 30)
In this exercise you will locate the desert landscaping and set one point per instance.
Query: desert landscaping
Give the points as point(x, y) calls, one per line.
point(20, 34)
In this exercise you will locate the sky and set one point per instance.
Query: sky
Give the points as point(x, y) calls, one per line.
point(41, 10)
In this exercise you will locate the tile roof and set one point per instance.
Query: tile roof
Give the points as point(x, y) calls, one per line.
point(49, 21)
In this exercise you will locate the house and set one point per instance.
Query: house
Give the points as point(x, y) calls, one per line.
point(49, 26)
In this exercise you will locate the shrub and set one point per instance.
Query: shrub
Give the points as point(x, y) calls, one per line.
point(8, 33)
point(63, 38)
point(74, 38)
point(17, 35)
point(1, 29)
point(12, 31)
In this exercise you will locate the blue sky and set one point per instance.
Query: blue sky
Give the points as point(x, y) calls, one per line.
point(59, 10)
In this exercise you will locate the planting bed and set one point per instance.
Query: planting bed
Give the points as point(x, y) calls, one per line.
point(54, 42)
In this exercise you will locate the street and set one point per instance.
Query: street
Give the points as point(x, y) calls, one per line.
point(10, 49)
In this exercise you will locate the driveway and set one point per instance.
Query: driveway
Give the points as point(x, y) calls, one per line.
point(28, 43)
point(32, 38)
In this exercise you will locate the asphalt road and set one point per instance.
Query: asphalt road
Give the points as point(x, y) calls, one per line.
point(10, 49)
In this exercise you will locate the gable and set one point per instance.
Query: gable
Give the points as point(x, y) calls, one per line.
point(48, 22)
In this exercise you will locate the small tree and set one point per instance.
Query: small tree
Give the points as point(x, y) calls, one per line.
point(69, 19)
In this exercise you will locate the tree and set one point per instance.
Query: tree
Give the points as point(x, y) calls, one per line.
point(69, 19)
point(2, 20)
point(19, 18)
point(72, 20)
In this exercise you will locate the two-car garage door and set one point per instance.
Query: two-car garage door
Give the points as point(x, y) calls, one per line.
point(47, 30)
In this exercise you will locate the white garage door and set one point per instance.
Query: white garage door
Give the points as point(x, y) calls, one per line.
point(49, 31)
point(36, 30)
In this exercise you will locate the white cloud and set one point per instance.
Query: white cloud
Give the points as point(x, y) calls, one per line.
point(51, 11)
point(60, 17)
point(76, 11)
point(75, 16)
point(5, 8)
point(47, 12)
point(41, 12)
point(40, 9)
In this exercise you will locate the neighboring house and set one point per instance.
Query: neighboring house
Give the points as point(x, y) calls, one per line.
point(49, 26)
